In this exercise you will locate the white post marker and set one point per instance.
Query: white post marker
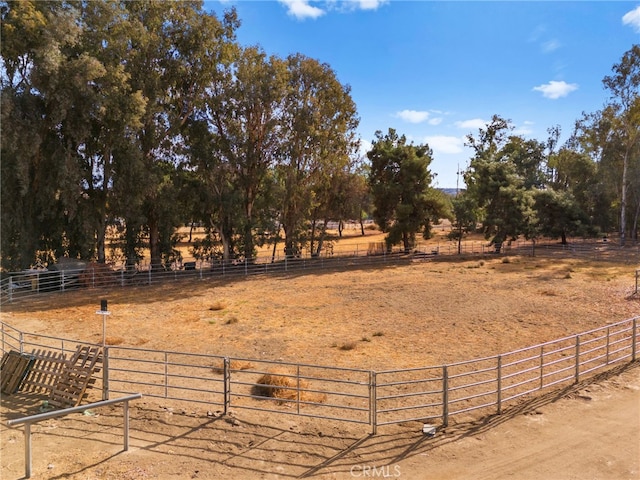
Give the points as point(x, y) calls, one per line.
point(104, 312)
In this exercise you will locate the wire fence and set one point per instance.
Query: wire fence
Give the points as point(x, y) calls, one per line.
point(17, 286)
point(431, 394)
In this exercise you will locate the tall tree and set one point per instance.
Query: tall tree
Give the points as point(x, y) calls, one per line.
point(44, 79)
point(244, 111)
point(624, 110)
point(400, 182)
point(497, 178)
point(175, 51)
point(318, 132)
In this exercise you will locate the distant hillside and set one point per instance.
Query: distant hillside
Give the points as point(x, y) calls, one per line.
point(451, 191)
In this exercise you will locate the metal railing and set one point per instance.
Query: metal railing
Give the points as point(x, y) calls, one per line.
point(28, 284)
point(30, 420)
point(374, 398)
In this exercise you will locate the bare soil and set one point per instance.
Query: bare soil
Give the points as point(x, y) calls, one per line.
point(398, 316)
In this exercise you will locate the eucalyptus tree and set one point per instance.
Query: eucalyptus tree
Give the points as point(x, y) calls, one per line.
point(244, 112)
point(46, 81)
point(318, 137)
point(115, 111)
point(400, 182)
point(624, 113)
point(175, 51)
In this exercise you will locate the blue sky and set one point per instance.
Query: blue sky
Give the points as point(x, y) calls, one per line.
point(437, 71)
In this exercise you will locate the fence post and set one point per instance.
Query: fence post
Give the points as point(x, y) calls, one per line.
point(166, 375)
point(105, 373)
point(298, 388)
point(445, 396)
point(634, 332)
point(608, 346)
point(577, 375)
point(227, 384)
point(21, 342)
point(499, 384)
point(373, 402)
point(541, 367)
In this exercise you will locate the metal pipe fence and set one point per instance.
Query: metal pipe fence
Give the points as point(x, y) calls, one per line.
point(16, 286)
point(432, 394)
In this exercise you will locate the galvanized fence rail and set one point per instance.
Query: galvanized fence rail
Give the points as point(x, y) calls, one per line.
point(17, 286)
point(431, 394)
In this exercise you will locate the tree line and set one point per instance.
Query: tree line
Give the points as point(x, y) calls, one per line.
point(122, 121)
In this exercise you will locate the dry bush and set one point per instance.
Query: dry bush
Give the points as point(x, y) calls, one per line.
point(348, 346)
point(114, 340)
point(279, 385)
point(217, 306)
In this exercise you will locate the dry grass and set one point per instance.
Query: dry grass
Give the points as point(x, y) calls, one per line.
point(234, 365)
point(280, 385)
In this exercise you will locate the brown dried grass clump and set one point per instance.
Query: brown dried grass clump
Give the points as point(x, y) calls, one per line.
point(234, 365)
point(279, 385)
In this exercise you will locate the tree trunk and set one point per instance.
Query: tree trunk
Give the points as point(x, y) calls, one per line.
point(154, 242)
point(623, 199)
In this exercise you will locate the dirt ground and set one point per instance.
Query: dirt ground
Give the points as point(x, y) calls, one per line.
point(424, 313)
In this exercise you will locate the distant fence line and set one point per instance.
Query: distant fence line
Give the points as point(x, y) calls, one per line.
point(431, 394)
point(26, 284)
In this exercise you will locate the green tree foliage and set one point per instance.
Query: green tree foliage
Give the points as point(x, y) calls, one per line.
point(318, 132)
point(400, 182)
point(500, 178)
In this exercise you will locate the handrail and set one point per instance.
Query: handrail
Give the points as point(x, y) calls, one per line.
point(27, 421)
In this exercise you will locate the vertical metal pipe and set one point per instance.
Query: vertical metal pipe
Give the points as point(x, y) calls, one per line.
point(166, 375)
point(577, 375)
point(499, 384)
point(608, 340)
point(298, 388)
point(227, 384)
point(634, 339)
point(125, 413)
point(541, 367)
point(445, 396)
point(373, 402)
point(105, 373)
point(27, 450)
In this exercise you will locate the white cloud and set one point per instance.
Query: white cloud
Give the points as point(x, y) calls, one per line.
point(445, 143)
point(632, 19)
point(555, 89)
point(370, 4)
point(301, 9)
point(365, 146)
point(472, 124)
point(413, 116)
point(550, 46)
point(435, 121)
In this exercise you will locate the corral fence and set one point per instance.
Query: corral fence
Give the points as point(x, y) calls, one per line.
point(15, 286)
point(432, 394)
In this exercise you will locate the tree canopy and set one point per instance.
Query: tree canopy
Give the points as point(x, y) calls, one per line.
point(125, 120)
